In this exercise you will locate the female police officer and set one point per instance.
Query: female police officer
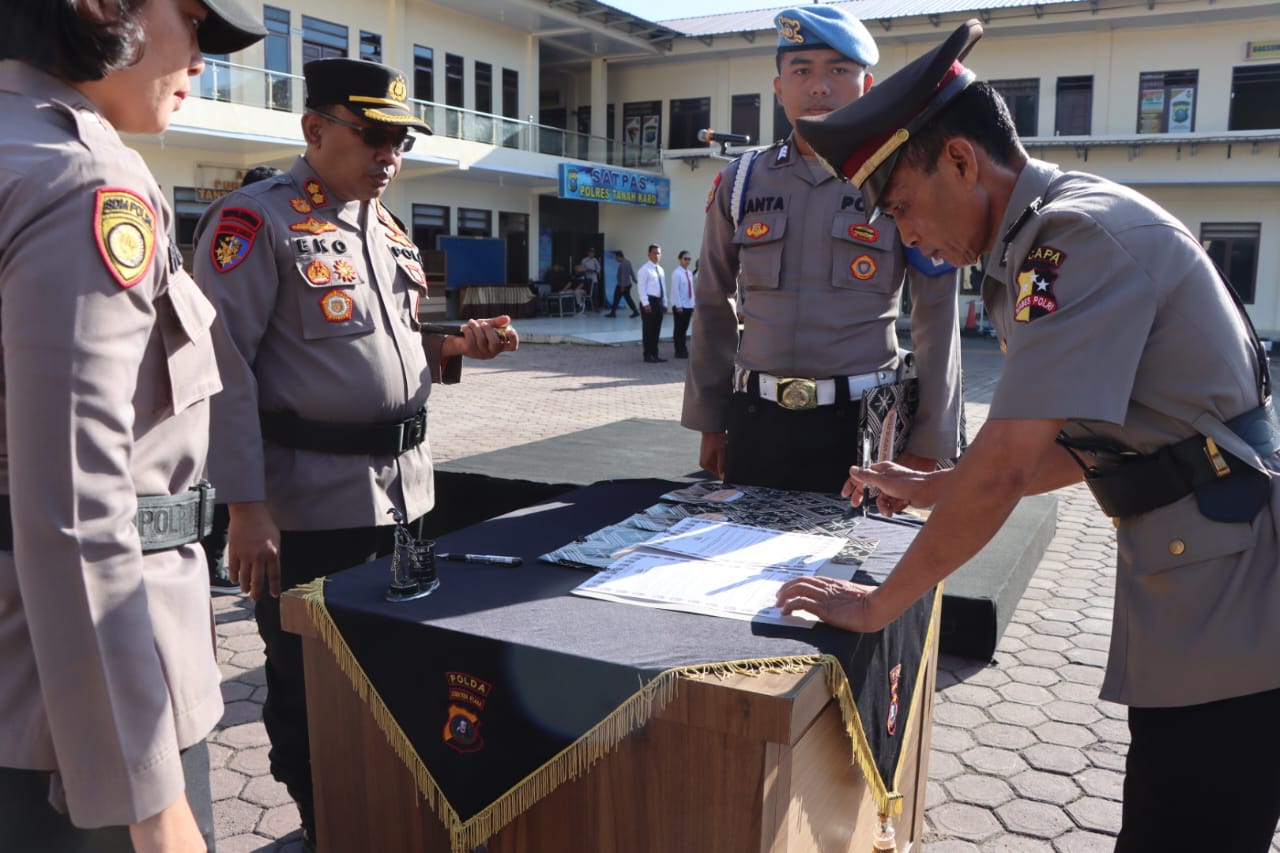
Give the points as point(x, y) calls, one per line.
point(109, 684)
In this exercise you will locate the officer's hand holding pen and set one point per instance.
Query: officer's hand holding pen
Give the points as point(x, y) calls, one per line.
point(917, 488)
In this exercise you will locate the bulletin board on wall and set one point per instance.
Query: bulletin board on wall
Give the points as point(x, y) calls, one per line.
point(474, 260)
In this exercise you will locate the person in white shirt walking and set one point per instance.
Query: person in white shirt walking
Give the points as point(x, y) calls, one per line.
point(681, 303)
point(652, 283)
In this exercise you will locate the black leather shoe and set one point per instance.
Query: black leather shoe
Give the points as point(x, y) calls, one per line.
point(219, 582)
point(653, 359)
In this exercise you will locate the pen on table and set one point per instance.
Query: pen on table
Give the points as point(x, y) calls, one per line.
point(483, 559)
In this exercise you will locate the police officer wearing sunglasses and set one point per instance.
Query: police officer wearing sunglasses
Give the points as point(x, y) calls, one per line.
point(322, 427)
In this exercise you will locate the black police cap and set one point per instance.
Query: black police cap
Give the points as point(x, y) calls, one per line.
point(862, 141)
point(229, 27)
point(377, 92)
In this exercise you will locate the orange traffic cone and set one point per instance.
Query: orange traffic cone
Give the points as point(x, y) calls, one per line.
point(971, 321)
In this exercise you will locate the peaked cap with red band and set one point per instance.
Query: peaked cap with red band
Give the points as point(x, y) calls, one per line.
point(861, 142)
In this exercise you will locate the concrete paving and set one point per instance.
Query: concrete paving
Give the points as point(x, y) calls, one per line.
point(1025, 756)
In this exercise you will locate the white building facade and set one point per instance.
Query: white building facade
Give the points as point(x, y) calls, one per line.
point(536, 103)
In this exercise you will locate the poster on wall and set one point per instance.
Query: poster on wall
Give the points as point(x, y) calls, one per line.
point(630, 141)
point(1151, 111)
point(649, 140)
point(641, 130)
point(1181, 109)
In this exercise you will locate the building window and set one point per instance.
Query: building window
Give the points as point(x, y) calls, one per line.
point(276, 47)
point(215, 80)
point(1167, 101)
point(1023, 98)
point(424, 73)
point(1255, 98)
point(688, 116)
point(453, 93)
point(322, 39)
point(641, 132)
point(370, 46)
point(1234, 248)
point(484, 87)
point(1073, 113)
point(511, 107)
point(745, 116)
point(429, 222)
point(473, 222)
point(781, 124)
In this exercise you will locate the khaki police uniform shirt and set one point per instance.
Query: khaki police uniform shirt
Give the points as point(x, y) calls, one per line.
point(822, 293)
point(1114, 318)
point(108, 366)
point(318, 300)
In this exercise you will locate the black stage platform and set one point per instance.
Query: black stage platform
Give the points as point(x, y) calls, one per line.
point(979, 598)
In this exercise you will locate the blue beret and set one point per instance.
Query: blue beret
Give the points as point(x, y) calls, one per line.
point(809, 27)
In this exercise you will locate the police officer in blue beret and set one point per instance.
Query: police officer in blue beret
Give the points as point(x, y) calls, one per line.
point(1106, 305)
point(782, 407)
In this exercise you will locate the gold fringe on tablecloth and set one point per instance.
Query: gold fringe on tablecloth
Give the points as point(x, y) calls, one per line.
point(601, 739)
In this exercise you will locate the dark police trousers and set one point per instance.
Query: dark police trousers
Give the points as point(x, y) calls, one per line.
point(808, 451)
point(304, 556)
point(28, 822)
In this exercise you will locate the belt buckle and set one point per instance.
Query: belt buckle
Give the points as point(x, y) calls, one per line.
point(797, 395)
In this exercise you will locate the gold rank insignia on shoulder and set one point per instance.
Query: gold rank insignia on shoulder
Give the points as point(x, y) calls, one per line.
point(789, 30)
point(311, 225)
point(337, 305)
point(315, 192)
point(124, 226)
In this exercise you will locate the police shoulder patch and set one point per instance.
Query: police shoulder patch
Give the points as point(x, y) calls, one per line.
point(124, 227)
point(233, 238)
point(711, 193)
point(1039, 273)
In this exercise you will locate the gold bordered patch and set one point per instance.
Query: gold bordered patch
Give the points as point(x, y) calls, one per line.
point(337, 305)
point(400, 239)
point(1035, 284)
point(318, 272)
point(467, 696)
point(756, 230)
point(124, 227)
point(343, 271)
point(301, 205)
point(863, 267)
point(711, 193)
point(891, 719)
point(311, 225)
point(415, 272)
point(315, 192)
point(789, 29)
point(865, 233)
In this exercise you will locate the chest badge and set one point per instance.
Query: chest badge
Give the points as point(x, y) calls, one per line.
point(344, 272)
point(337, 306)
point(315, 193)
point(1035, 284)
point(864, 233)
point(300, 205)
point(311, 225)
point(124, 226)
point(318, 272)
point(863, 267)
point(756, 230)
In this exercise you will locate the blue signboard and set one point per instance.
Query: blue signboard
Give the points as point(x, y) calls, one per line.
point(616, 186)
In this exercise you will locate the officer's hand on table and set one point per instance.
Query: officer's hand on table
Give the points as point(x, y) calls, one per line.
point(899, 487)
point(483, 339)
point(841, 603)
point(712, 453)
point(253, 549)
point(173, 830)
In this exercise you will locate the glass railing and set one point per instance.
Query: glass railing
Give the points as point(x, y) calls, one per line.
point(275, 90)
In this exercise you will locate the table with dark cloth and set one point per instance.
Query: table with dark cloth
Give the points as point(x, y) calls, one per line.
point(491, 300)
point(494, 688)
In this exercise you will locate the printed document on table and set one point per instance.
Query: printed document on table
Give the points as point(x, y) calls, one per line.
point(725, 541)
point(715, 568)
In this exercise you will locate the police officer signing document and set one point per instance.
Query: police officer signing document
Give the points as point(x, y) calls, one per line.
point(1106, 305)
point(822, 288)
point(108, 681)
point(322, 430)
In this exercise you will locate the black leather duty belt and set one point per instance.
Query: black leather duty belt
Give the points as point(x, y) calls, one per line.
point(387, 439)
point(1226, 488)
point(163, 522)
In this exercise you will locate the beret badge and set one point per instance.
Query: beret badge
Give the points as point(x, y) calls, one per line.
point(789, 30)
